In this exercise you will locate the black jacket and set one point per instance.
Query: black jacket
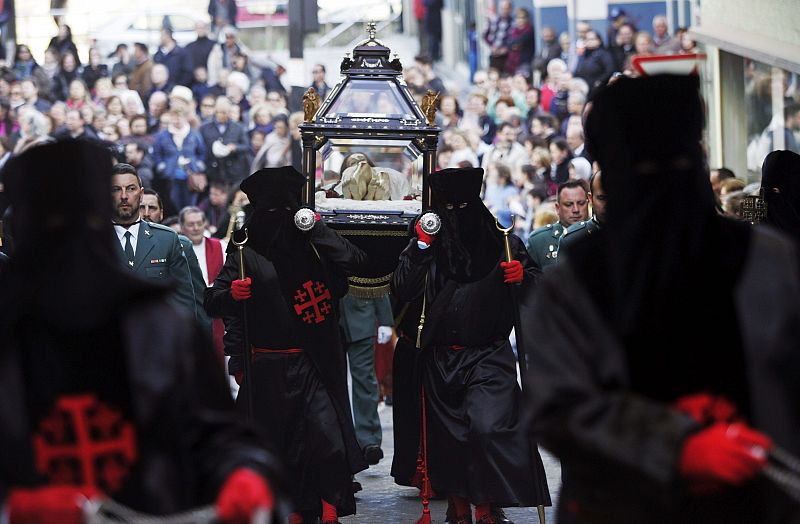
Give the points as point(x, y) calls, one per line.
point(234, 167)
point(188, 436)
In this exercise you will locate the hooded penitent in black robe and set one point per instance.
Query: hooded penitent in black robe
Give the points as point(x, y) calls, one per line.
point(300, 397)
point(667, 300)
point(102, 381)
point(780, 180)
point(476, 446)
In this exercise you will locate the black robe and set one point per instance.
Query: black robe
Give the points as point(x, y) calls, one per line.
point(613, 428)
point(477, 447)
point(300, 399)
point(147, 363)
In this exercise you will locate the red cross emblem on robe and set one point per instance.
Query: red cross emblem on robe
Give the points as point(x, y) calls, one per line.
point(313, 302)
point(86, 442)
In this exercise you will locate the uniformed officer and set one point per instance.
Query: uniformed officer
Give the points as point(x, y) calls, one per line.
point(572, 206)
point(150, 250)
point(597, 198)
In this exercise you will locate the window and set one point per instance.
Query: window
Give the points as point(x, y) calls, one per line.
point(772, 110)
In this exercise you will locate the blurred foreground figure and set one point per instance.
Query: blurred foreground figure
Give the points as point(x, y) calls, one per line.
point(107, 390)
point(669, 401)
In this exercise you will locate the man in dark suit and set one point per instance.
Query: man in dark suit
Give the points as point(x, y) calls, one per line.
point(150, 250)
point(228, 160)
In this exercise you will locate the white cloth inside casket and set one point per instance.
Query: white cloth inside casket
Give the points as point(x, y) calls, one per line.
point(334, 204)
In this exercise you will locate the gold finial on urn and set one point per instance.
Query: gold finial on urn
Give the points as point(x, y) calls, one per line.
point(311, 103)
point(429, 106)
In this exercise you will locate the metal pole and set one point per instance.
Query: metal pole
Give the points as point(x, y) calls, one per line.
point(523, 365)
point(246, 372)
point(572, 20)
point(670, 17)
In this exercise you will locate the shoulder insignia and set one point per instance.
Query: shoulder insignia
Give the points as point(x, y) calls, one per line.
point(159, 227)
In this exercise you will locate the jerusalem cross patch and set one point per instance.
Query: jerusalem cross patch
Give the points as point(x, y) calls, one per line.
point(85, 442)
point(312, 302)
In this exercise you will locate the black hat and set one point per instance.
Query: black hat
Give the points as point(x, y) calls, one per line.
point(75, 175)
point(457, 185)
point(619, 127)
point(274, 187)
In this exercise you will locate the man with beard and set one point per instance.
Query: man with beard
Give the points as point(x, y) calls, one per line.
point(474, 449)
point(95, 405)
point(655, 417)
point(297, 374)
point(148, 249)
point(584, 228)
point(151, 210)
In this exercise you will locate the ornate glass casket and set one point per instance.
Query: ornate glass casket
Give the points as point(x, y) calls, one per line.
point(367, 152)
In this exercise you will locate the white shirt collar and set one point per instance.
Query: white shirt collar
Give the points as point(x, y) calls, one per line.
point(134, 229)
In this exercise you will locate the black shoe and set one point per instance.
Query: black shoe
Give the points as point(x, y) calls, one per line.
point(356, 486)
point(373, 454)
point(500, 515)
point(496, 516)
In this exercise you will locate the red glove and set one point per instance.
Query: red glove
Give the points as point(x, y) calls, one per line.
point(728, 454)
point(62, 504)
point(513, 272)
point(240, 289)
point(243, 493)
point(422, 236)
point(317, 216)
point(705, 408)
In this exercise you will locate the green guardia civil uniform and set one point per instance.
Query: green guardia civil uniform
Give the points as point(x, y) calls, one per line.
point(577, 231)
point(543, 245)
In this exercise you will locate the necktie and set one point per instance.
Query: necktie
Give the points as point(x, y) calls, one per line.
point(128, 248)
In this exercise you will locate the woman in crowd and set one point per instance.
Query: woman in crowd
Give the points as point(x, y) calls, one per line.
point(276, 151)
point(78, 95)
point(63, 43)
point(596, 64)
point(68, 71)
point(114, 111)
point(178, 155)
point(449, 111)
point(94, 70)
point(8, 126)
point(520, 55)
point(34, 129)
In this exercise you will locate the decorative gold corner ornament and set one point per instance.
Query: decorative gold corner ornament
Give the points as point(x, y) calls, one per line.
point(429, 107)
point(754, 208)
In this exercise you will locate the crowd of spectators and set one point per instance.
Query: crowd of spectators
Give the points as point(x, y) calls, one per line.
point(194, 120)
point(206, 115)
point(521, 119)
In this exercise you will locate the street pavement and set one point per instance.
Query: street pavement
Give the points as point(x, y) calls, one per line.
point(383, 501)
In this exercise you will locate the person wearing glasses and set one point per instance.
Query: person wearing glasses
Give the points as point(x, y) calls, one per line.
point(320, 86)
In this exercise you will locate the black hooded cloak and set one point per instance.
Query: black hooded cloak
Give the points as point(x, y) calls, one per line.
point(780, 179)
point(673, 300)
point(300, 397)
point(88, 345)
point(476, 446)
